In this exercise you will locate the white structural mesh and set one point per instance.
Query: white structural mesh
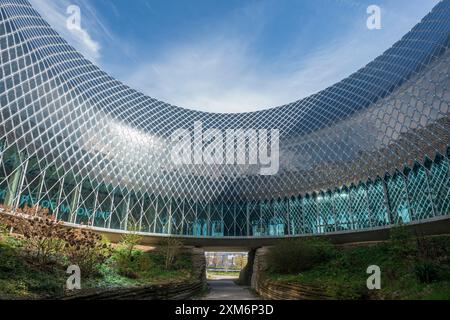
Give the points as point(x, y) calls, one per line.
point(95, 151)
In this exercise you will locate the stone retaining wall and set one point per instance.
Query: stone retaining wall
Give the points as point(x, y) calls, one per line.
point(245, 276)
point(275, 290)
point(178, 291)
point(259, 267)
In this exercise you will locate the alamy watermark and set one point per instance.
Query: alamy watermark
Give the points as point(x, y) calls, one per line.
point(73, 22)
point(227, 147)
point(74, 280)
point(374, 281)
point(374, 19)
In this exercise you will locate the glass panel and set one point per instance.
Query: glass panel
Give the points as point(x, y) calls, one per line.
point(162, 218)
point(360, 207)
point(279, 223)
point(86, 205)
point(177, 217)
point(295, 216)
point(419, 194)
point(343, 209)
point(440, 185)
point(103, 211)
point(266, 216)
point(241, 219)
point(398, 199)
point(148, 220)
point(326, 212)
point(309, 207)
point(375, 191)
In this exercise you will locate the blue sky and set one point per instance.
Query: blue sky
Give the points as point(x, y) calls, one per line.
point(232, 55)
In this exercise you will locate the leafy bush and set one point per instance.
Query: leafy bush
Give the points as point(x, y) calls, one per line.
point(131, 239)
point(426, 271)
point(3, 230)
point(86, 249)
point(170, 248)
point(4, 225)
point(42, 234)
point(401, 244)
point(19, 278)
point(36, 234)
point(431, 260)
point(47, 240)
point(135, 266)
point(293, 256)
point(426, 256)
point(348, 290)
point(127, 261)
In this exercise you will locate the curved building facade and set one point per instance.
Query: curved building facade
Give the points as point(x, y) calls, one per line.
point(369, 151)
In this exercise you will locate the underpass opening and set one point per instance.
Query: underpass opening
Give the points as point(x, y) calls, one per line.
point(225, 265)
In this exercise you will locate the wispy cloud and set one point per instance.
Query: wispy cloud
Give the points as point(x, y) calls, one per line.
point(223, 75)
point(223, 72)
point(55, 13)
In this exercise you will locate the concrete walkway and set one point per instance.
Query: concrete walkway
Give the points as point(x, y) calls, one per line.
point(224, 288)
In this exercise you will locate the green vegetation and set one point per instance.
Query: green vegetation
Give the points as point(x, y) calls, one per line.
point(215, 274)
point(131, 239)
point(411, 268)
point(170, 249)
point(21, 277)
point(142, 268)
point(293, 256)
point(33, 261)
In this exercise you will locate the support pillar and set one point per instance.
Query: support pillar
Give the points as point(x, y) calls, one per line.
point(386, 202)
point(61, 187)
point(111, 210)
point(20, 185)
point(155, 219)
point(14, 182)
point(74, 203)
point(169, 228)
point(127, 207)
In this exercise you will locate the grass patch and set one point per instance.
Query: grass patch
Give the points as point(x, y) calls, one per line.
point(411, 268)
point(21, 278)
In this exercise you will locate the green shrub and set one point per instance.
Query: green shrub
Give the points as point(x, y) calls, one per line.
point(3, 229)
point(131, 265)
point(426, 271)
point(401, 244)
point(431, 260)
point(20, 278)
point(170, 248)
point(43, 238)
point(87, 250)
point(348, 290)
point(131, 239)
point(293, 256)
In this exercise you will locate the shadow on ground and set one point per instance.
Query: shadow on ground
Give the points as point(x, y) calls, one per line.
point(225, 288)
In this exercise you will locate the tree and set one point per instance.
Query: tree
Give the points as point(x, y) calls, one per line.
point(131, 239)
point(170, 248)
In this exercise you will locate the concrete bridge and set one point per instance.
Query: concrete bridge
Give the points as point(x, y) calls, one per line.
point(434, 226)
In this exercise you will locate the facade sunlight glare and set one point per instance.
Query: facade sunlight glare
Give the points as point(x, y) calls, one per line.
point(369, 151)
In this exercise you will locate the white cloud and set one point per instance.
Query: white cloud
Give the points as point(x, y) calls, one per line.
point(54, 12)
point(222, 73)
point(225, 76)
